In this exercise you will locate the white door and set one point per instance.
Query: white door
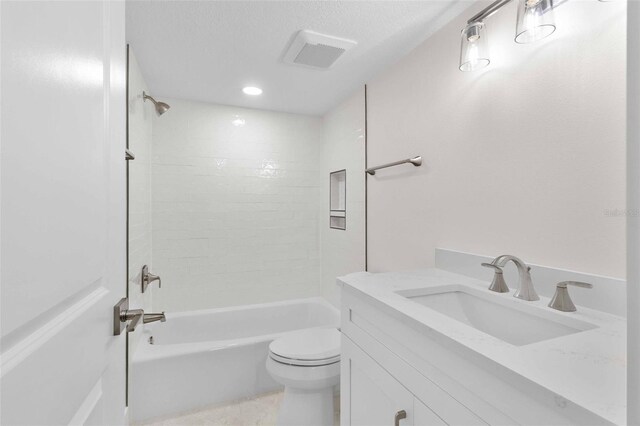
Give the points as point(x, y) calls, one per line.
point(62, 226)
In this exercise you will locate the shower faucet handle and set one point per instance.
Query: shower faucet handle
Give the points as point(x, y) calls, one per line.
point(148, 278)
point(561, 300)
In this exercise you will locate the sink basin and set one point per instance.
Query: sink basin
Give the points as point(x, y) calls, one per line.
point(500, 316)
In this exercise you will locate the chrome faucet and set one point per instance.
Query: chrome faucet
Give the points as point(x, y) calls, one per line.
point(147, 318)
point(525, 289)
point(561, 300)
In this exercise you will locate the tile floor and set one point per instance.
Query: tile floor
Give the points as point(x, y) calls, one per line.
point(259, 411)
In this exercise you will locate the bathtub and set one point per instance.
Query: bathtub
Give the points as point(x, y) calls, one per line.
point(214, 356)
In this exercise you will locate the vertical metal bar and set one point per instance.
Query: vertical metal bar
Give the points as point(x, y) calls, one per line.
point(366, 181)
point(633, 207)
point(126, 379)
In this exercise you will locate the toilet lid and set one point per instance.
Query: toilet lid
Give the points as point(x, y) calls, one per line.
point(307, 347)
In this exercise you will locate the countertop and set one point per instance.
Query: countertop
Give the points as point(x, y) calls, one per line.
point(587, 368)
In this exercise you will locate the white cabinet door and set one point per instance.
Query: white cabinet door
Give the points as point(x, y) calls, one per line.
point(62, 212)
point(372, 397)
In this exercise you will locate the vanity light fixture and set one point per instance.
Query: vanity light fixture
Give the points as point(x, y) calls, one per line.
point(474, 48)
point(535, 20)
point(253, 91)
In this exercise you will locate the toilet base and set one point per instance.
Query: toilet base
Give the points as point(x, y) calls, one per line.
point(308, 393)
point(301, 407)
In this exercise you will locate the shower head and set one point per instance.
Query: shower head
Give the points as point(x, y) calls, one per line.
point(160, 107)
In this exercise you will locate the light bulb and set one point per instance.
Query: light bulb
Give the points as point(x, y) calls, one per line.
point(535, 20)
point(474, 48)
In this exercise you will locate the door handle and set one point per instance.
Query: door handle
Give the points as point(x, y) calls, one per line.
point(133, 316)
point(399, 416)
point(122, 316)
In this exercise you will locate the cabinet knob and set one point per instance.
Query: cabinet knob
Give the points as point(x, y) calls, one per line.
point(399, 416)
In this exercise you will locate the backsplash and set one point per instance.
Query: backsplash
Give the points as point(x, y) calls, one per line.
point(608, 294)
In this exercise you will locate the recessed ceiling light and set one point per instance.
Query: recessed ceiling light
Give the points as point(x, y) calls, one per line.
point(253, 91)
point(238, 121)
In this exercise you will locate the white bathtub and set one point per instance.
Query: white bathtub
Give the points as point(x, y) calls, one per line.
point(212, 356)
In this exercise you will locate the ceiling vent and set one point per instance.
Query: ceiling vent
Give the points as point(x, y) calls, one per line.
point(316, 50)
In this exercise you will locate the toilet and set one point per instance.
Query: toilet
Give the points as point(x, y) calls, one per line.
point(307, 363)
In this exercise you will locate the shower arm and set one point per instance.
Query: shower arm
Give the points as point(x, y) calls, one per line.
point(145, 97)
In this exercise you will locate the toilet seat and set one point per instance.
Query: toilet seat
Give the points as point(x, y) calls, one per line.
point(307, 348)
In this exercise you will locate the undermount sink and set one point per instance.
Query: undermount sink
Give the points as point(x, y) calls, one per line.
point(509, 320)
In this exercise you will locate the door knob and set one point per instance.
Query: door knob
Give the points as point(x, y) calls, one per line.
point(123, 316)
point(133, 316)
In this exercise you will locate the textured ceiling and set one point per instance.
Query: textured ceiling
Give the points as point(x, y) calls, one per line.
point(209, 50)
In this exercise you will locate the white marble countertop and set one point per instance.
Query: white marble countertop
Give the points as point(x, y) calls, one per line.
point(587, 368)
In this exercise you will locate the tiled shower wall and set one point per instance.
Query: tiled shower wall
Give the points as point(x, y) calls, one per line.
point(235, 201)
point(343, 251)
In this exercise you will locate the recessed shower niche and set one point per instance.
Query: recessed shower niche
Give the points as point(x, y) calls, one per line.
point(338, 200)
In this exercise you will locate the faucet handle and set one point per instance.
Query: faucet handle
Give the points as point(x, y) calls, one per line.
point(561, 300)
point(496, 268)
point(152, 277)
point(498, 284)
point(148, 278)
point(564, 284)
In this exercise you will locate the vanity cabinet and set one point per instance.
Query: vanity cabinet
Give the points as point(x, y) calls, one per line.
point(391, 363)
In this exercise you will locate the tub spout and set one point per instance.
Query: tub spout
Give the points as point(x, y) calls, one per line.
point(153, 318)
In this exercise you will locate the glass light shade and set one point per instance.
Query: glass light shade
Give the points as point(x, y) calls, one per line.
point(474, 47)
point(535, 20)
